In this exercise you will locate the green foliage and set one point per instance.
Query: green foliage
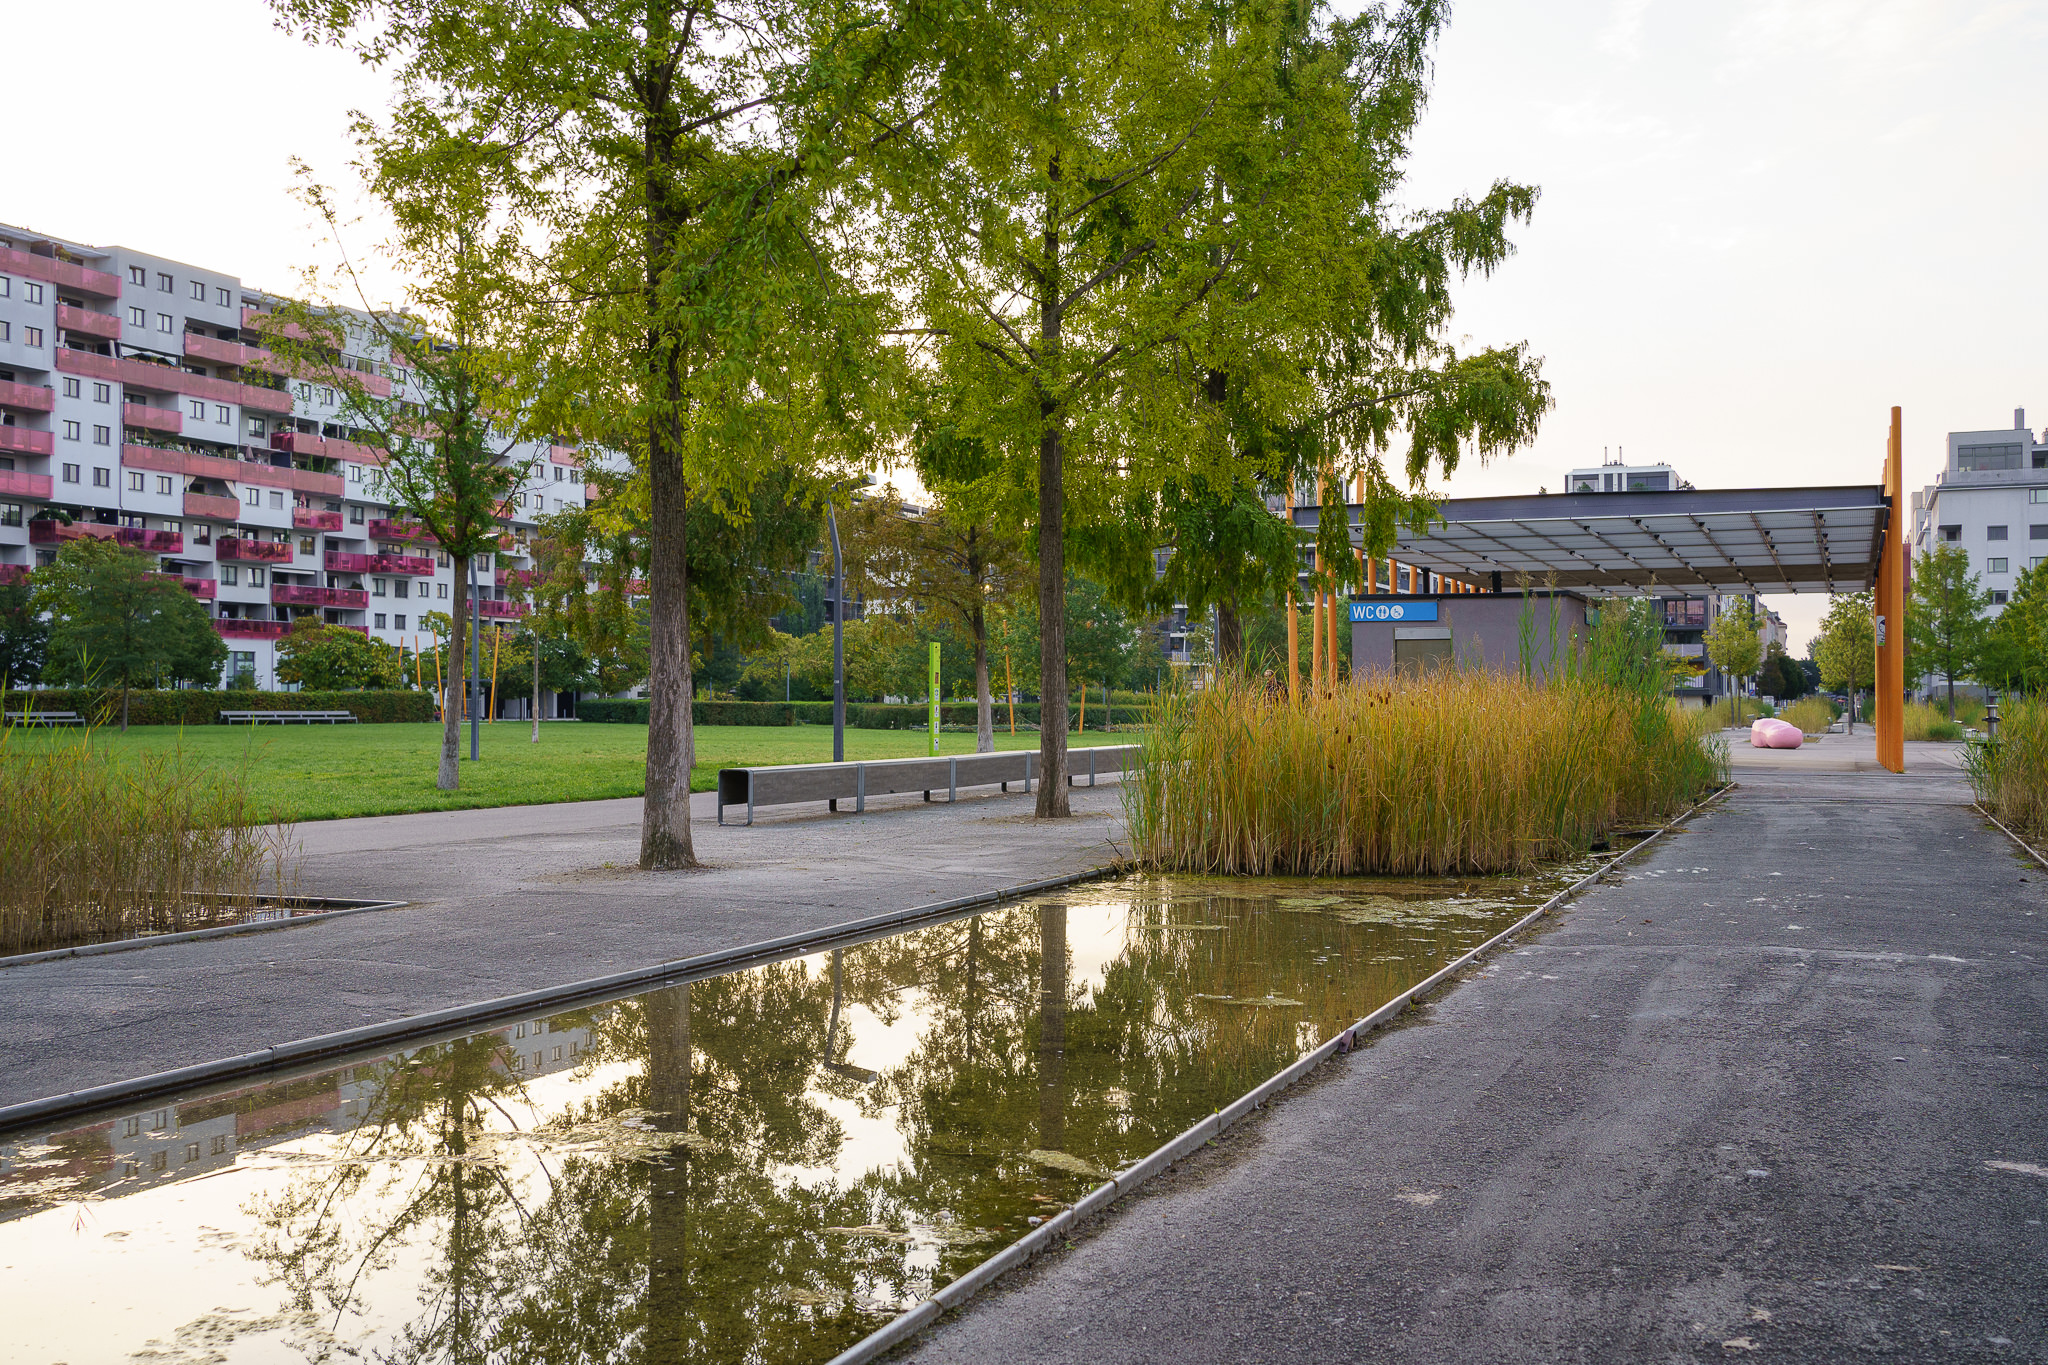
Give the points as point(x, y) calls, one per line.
point(24, 637)
point(1781, 676)
point(1945, 621)
point(863, 716)
point(193, 706)
point(1732, 641)
point(1813, 715)
point(2014, 655)
point(2010, 774)
point(113, 617)
point(1846, 648)
point(325, 658)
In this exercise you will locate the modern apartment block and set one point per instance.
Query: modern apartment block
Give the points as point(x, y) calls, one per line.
point(137, 400)
point(1991, 499)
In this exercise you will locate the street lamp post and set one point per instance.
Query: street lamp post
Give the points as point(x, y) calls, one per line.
point(838, 643)
point(475, 659)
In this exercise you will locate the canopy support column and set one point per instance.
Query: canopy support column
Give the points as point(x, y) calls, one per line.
point(1891, 611)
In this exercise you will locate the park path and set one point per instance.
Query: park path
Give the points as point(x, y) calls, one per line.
point(1777, 1092)
point(515, 899)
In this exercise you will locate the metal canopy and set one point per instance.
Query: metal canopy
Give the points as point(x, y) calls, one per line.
point(1766, 540)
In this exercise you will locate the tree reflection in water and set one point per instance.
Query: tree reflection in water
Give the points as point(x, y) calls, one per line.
point(696, 1197)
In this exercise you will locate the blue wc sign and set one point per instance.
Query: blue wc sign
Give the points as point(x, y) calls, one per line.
point(1393, 611)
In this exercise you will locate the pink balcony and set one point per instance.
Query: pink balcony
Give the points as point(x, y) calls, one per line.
point(84, 279)
point(251, 630)
point(211, 508)
point(155, 542)
point(21, 484)
point(202, 588)
point(268, 324)
point(12, 575)
point(20, 440)
point(52, 532)
point(306, 519)
point(143, 417)
point(105, 326)
point(500, 610)
point(325, 447)
point(201, 347)
point(383, 529)
point(293, 594)
point(243, 550)
point(27, 397)
point(405, 566)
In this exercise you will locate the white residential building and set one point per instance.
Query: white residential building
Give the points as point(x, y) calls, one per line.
point(1990, 499)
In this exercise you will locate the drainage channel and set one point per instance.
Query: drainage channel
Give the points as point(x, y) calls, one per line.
point(769, 1164)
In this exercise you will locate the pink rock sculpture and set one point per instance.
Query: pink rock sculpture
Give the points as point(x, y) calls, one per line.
point(1775, 734)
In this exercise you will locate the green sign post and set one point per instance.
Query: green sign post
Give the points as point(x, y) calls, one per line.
point(932, 721)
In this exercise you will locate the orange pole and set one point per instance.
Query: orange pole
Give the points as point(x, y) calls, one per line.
point(1891, 610)
point(1293, 612)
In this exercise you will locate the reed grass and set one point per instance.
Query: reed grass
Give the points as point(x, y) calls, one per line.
point(2010, 773)
point(1735, 711)
point(97, 846)
point(1448, 772)
point(1923, 721)
point(1811, 714)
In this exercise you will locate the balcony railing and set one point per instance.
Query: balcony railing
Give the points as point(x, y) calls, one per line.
point(306, 519)
point(199, 346)
point(27, 397)
point(49, 531)
point(23, 441)
point(228, 470)
point(142, 416)
point(414, 566)
point(247, 551)
point(84, 279)
point(199, 587)
point(212, 508)
point(105, 326)
point(233, 629)
point(382, 529)
point(297, 595)
point(21, 484)
point(152, 378)
point(326, 447)
point(12, 574)
point(500, 610)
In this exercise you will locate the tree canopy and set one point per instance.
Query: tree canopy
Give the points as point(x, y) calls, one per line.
point(116, 620)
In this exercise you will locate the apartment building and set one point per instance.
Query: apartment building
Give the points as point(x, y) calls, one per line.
point(1991, 500)
point(138, 403)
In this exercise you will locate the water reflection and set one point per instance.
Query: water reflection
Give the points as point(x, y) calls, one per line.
point(756, 1167)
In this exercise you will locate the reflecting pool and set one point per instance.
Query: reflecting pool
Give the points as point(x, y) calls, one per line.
point(762, 1166)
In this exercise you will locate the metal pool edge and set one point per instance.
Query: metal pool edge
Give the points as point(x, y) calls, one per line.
point(2032, 852)
point(954, 1295)
point(342, 909)
point(458, 1019)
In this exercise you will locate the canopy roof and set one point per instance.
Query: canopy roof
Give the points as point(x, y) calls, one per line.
point(1766, 540)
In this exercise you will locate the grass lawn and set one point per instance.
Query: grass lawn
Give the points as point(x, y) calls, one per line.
point(327, 772)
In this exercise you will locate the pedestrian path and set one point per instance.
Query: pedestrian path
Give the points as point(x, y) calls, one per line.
point(1776, 1092)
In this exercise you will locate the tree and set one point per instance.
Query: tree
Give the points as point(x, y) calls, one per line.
point(1846, 648)
point(114, 617)
point(950, 558)
point(1781, 675)
point(1732, 641)
point(24, 637)
point(1945, 621)
point(324, 658)
point(2015, 650)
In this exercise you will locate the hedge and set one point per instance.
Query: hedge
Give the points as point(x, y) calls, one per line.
point(859, 715)
point(204, 708)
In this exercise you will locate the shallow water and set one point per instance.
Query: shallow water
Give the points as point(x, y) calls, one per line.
point(762, 1166)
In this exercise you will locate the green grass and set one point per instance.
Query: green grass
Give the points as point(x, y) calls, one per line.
point(321, 772)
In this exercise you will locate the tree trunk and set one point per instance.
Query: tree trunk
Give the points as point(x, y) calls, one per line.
point(450, 776)
point(672, 1317)
point(1052, 546)
point(1951, 698)
point(984, 705)
point(1229, 634)
point(1052, 1028)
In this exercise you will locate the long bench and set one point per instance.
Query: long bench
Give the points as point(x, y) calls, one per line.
point(288, 717)
point(790, 784)
point(43, 718)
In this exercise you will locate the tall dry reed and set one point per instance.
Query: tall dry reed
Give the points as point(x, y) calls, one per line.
point(1450, 772)
point(96, 846)
point(2010, 774)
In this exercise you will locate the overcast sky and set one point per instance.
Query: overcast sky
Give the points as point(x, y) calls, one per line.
point(1762, 224)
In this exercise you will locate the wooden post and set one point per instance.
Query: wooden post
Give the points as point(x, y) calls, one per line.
point(497, 644)
point(439, 692)
point(1891, 610)
point(1010, 691)
point(1083, 726)
point(1293, 611)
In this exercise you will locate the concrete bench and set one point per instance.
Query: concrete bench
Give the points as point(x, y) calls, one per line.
point(44, 718)
point(792, 783)
point(288, 717)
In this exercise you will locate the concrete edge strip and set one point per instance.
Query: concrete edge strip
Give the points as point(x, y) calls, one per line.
point(458, 1019)
point(2032, 852)
point(954, 1295)
point(342, 909)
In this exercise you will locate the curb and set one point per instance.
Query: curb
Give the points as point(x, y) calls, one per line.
point(2032, 852)
point(342, 908)
point(1041, 1238)
point(464, 1018)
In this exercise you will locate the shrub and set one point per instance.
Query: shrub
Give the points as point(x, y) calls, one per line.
point(859, 715)
point(196, 707)
point(1444, 773)
point(1811, 714)
point(1927, 722)
point(1732, 711)
point(2010, 774)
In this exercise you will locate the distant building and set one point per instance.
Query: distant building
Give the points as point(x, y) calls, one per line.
point(1991, 500)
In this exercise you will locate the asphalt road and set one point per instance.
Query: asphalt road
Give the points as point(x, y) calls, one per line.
point(1776, 1094)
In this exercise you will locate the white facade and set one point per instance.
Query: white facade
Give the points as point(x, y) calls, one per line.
point(1991, 500)
point(137, 399)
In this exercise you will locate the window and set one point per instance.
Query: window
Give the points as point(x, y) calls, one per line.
point(253, 496)
point(303, 392)
point(71, 431)
point(256, 427)
point(10, 514)
point(355, 473)
point(326, 398)
point(163, 322)
point(221, 297)
point(1994, 566)
point(161, 1161)
point(2037, 561)
point(6, 286)
point(355, 516)
point(197, 409)
point(103, 478)
point(1994, 533)
point(230, 575)
point(6, 330)
point(2004, 456)
point(199, 290)
point(31, 336)
point(398, 621)
point(191, 1151)
point(276, 500)
point(223, 415)
point(558, 473)
point(441, 558)
point(71, 388)
point(101, 393)
point(2037, 495)
point(31, 292)
point(163, 284)
point(163, 485)
point(1951, 534)
point(441, 590)
point(305, 545)
point(134, 481)
point(138, 317)
point(400, 588)
point(71, 473)
point(380, 621)
point(137, 275)
point(378, 588)
point(220, 1140)
point(255, 577)
point(102, 436)
point(1998, 597)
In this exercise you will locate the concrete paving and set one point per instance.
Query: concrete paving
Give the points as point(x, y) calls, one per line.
point(1777, 1092)
point(510, 900)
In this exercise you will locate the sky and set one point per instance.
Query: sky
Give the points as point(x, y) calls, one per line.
point(1762, 225)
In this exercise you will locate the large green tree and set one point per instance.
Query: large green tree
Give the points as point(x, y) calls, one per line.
point(1732, 641)
point(2015, 650)
point(115, 620)
point(324, 658)
point(24, 637)
point(1945, 621)
point(1846, 648)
